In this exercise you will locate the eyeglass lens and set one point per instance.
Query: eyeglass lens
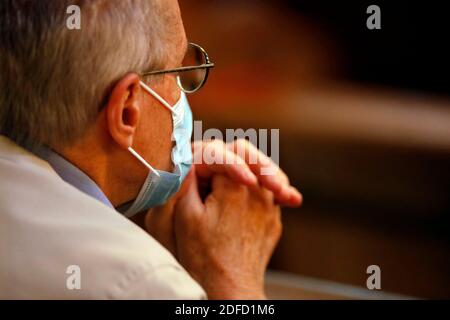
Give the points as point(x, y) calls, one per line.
point(192, 80)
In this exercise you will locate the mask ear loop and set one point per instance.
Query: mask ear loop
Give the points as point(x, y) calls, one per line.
point(145, 163)
point(165, 104)
point(159, 98)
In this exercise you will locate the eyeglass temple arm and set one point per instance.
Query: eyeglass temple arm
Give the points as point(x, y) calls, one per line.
point(181, 69)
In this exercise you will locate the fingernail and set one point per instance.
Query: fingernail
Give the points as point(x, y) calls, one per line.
point(296, 195)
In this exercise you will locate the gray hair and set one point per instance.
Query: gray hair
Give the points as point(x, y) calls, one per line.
point(54, 81)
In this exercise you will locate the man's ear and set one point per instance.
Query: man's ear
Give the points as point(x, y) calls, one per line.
point(123, 110)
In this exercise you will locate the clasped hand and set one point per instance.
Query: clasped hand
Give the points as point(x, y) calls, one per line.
point(225, 222)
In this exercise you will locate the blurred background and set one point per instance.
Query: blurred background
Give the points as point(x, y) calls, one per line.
point(364, 119)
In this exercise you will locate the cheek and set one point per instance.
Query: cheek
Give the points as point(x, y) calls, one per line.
point(154, 136)
point(170, 87)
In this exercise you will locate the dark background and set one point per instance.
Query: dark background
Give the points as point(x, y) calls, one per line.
point(410, 51)
point(364, 119)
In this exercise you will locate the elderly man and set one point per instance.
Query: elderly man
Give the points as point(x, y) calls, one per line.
point(96, 129)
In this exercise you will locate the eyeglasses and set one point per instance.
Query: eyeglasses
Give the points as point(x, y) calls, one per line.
point(194, 72)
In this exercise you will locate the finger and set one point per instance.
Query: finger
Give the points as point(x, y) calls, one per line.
point(224, 161)
point(222, 186)
point(268, 173)
point(258, 162)
point(296, 197)
point(290, 197)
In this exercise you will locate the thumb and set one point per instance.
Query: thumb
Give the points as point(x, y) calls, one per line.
point(189, 197)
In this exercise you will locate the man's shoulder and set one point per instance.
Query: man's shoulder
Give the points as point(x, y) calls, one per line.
point(49, 230)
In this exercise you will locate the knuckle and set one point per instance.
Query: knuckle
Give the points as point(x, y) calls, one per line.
point(268, 197)
point(240, 144)
point(231, 191)
point(217, 143)
point(211, 145)
point(232, 186)
point(189, 218)
point(212, 201)
point(239, 189)
point(196, 213)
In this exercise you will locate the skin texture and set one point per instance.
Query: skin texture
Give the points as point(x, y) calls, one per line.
point(235, 261)
point(223, 238)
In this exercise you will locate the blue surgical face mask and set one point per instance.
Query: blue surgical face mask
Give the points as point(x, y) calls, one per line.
point(159, 185)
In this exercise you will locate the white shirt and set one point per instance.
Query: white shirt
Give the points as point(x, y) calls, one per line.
point(47, 225)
